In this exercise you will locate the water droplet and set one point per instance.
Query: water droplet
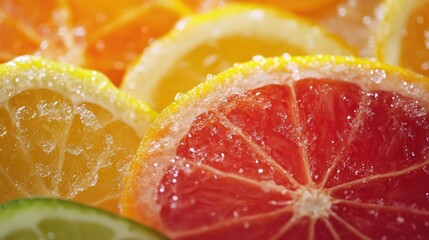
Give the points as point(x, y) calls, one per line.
point(257, 14)
point(366, 20)
point(258, 58)
point(260, 170)
point(100, 45)
point(50, 235)
point(48, 146)
point(246, 225)
point(426, 169)
point(286, 56)
point(425, 65)
point(181, 24)
point(210, 77)
point(178, 96)
point(44, 45)
point(342, 11)
point(400, 220)
point(3, 130)
point(79, 31)
point(377, 75)
point(175, 198)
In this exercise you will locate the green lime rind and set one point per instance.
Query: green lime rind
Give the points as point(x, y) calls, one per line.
point(45, 218)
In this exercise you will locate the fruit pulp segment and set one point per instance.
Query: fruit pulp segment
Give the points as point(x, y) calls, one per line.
point(53, 147)
point(144, 26)
point(415, 40)
point(213, 57)
point(264, 153)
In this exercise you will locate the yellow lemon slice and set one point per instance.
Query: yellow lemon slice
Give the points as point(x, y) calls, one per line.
point(66, 133)
point(213, 41)
point(402, 38)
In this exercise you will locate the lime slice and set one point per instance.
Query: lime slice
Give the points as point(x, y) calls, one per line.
point(44, 218)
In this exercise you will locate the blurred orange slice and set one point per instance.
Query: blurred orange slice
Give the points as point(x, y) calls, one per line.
point(102, 35)
point(305, 6)
point(403, 37)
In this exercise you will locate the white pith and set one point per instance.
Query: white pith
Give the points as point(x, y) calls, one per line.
point(313, 203)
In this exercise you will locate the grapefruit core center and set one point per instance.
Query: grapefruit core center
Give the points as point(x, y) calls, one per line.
point(313, 203)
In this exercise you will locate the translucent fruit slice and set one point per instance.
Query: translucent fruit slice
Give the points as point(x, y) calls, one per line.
point(61, 219)
point(403, 34)
point(211, 42)
point(65, 132)
point(305, 6)
point(105, 35)
point(316, 147)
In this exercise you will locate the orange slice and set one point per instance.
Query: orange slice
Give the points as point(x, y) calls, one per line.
point(65, 133)
point(315, 147)
point(354, 21)
point(305, 6)
point(104, 35)
point(211, 42)
point(403, 35)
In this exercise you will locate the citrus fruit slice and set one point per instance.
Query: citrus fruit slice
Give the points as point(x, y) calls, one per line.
point(354, 21)
point(65, 132)
point(211, 42)
point(306, 6)
point(316, 147)
point(403, 37)
point(105, 36)
point(60, 219)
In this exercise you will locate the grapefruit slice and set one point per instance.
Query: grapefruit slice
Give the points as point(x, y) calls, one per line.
point(65, 132)
point(315, 147)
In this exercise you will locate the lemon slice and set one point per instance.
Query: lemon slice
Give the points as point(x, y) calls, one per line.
point(402, 35)
point(213, 41)
point(65, 132)
point(61, 219)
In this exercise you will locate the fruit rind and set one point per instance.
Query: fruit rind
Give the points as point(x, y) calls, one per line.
point(160, 143)
point(27, 213)
point(141, 79)
point(389, 32)
point(74, 82)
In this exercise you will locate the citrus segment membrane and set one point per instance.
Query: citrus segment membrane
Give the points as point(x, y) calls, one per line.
point(66, 133)
point(106, 36)
point(318, 147)
point(402, 34)
point(41, 218)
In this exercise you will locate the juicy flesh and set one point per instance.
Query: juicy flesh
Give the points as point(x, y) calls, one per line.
point(105, 36)
point(320, 159)
point(212, 58)
point(51, 147)
point(415, 41)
